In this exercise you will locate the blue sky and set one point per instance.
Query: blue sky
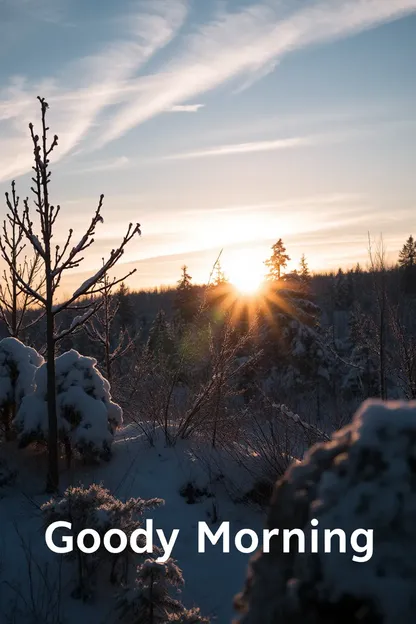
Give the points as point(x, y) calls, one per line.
point(218, 124)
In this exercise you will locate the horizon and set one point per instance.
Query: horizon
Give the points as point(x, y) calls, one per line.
point(223, 126)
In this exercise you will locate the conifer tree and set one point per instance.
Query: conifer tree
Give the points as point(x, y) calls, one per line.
point(125, 308)
point(185, 300)
point(160, 341)
point(277, 261)
point(407, 262)
point(219, 277)
point(303, 267)
point(407, 255)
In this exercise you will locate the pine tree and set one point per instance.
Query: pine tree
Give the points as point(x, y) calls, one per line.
point(304, 274)
point(125, 308)
point(343, 295)
point(407, 262)
point(407, 255)
point(161, 340)
point(277, 261)
point(185, 299)
point(219, 277)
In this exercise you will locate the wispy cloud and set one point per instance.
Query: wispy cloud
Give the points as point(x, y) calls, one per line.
point(104, 165)
point(185, 108)
point(244, 44)
point(91, 83)
point(245, 148)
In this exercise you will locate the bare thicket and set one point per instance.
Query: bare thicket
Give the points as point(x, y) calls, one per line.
point(55, 261)
point(189, 392)
point(37, 597)
point(15, 301)
point(101, 329)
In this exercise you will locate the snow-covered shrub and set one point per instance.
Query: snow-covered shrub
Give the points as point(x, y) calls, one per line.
point(96, 508)
point(18, 365)
point(87, 417)
point(149, 600)
point(364, 478)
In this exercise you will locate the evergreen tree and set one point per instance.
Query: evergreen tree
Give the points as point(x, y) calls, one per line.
point(291, 340)
point(277, 261)
point(407, 255)
point(219, 277)
point(304, 274)
point(185, 299)
point(125, 311)
point(161, 341)
point(407, 262)
point(343, 295)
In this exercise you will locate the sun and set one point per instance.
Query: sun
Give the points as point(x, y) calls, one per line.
point(245, 274)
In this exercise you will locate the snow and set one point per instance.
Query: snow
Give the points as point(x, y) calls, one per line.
point(18, 365)
point(86, 413)
point(36, 244)
point(136, 470)
point(79, 320)
point(375, 489)
point(364, 478)
point(85, 286)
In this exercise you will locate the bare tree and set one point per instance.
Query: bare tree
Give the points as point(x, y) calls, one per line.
point(99, 329)
point(55, 262)
point(15, 302)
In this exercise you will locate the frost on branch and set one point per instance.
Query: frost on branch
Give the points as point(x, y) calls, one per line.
point(87, 417)
point(364, 478)
point(189, 616)
point(96, 508)
point(18, 365)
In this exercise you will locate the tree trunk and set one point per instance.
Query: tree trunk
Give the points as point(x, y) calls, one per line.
point(52, 482)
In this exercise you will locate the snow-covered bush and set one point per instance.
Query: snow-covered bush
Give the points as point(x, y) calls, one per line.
point(18, 365)
point(87, 417)
point(364, 478)
point(96, 508)
point(149, 600)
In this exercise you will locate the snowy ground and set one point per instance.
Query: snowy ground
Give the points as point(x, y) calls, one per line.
point(136, 470)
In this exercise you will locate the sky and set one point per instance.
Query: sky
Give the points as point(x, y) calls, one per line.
point(217, 124)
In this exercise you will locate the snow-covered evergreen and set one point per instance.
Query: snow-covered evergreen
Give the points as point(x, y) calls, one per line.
point(87, 417)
